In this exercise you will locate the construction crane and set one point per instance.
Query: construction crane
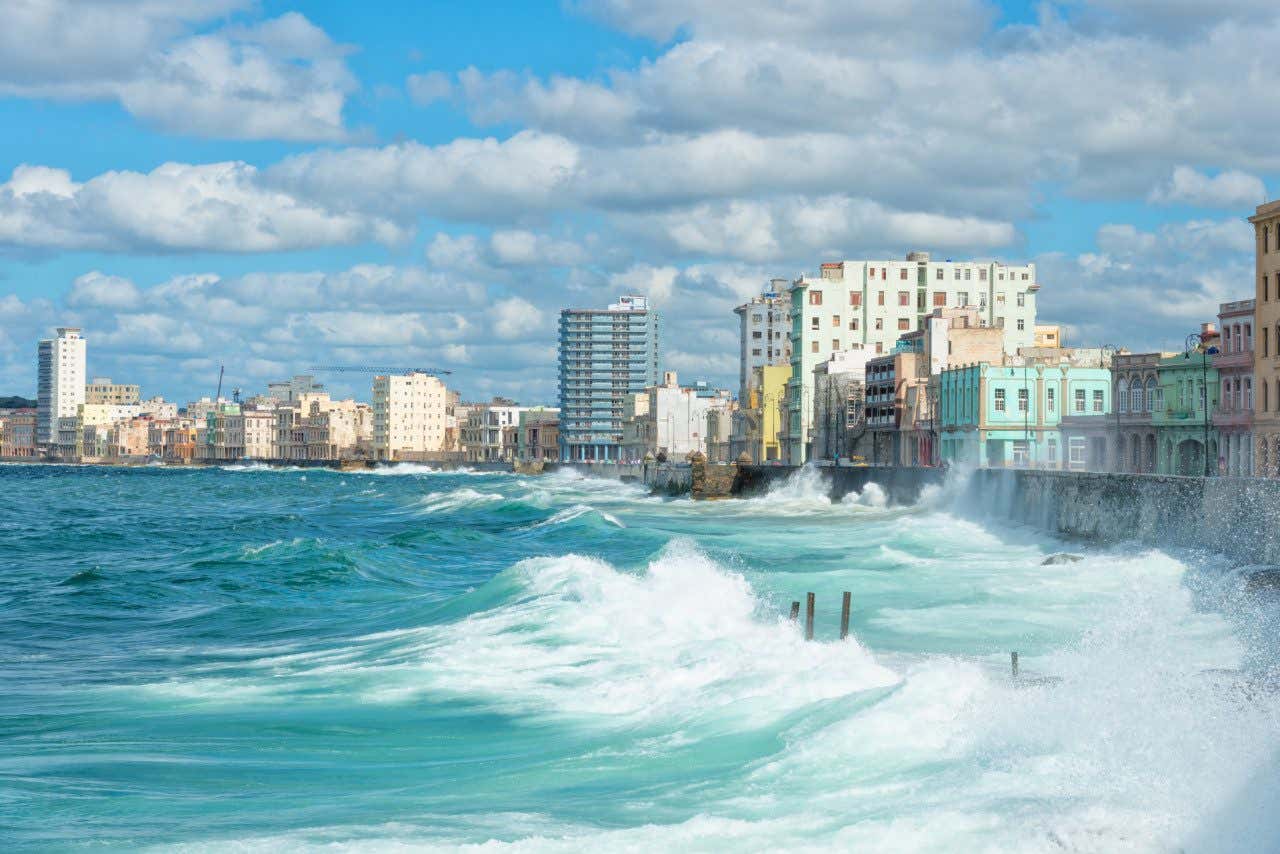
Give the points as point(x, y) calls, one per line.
point(375, 369)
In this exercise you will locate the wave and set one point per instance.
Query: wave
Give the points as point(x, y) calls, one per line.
point(578, 511)
point(441, 502)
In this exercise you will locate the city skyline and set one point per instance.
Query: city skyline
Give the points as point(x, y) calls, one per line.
point(277, 186)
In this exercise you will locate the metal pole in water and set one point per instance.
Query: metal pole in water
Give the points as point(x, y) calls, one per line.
point(844, 614)
point(1013, 662)
point(795, 611)
point(808, 617)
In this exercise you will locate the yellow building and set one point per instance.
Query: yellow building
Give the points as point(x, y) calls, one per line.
point(757, 425)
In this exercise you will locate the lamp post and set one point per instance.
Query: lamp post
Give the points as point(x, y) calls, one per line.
point(1196, 340)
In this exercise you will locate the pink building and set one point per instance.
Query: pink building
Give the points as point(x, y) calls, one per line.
point(1233, 416)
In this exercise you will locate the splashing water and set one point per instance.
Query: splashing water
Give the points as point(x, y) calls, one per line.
point(566, 664)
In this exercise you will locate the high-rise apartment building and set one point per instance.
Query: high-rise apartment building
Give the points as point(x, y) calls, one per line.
point(605, 355)
point(1266, 365)
point(869, 304)
point(410, 415)
point(60, 387)
point(764, 332)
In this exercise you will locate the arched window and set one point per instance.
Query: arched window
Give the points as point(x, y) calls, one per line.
point(1135, 397)
point(1151, 393)
point(1122, 394)
point(1248, 336)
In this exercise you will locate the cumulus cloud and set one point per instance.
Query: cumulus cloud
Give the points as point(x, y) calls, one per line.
point(282, 78)
point(98, 290)
point(1230, 189)
point(515, 318)
point(175, 207)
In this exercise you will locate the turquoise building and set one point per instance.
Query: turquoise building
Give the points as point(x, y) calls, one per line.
point(1009, 415)
point(1183, 415)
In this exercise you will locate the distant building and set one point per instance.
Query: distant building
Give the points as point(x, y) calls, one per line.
point(411, 417)
point(103, 390)
point(839, 389)
point(485, 438)
point(1182, 415)
point(871, 303)
point(759, 419)
point(764, 333)
point(1233, 418)
point(605, 355)
point(292, 390)
point(1266, 365)
point(1010, 414)
point(18, 433)
point(672, 420)
point(538, 437)
point(60, 387)
point(1049, 335)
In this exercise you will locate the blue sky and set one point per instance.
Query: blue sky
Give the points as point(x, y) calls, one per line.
point(271, 185)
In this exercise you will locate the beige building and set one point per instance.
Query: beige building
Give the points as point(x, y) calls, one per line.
point(1048, 335)
point(103, 390)
point(338, 430)
point(18, 433)
point(410, 414)
point(1266, 352)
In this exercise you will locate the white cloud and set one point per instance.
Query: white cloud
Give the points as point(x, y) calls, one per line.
point(515, 318)
point(98, 290)
point(657, 283)
point(282, 78)
point(176, 207)
point(1230, 189)
point(521, 248)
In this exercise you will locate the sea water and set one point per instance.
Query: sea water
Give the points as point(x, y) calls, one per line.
point(250, 659)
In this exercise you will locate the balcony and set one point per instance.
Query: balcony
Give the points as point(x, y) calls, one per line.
point(1232, 417)
point(1233, 360)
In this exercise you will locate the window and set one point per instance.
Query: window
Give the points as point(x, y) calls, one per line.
point(855, 298)
point(1022, 325)
point(815, 297)
point(940, 298)
point(1075, 451)
point(813, 347)
point(1097, 401)
point(904, 297)
point(1265, 292)
point(999, 400)
point(904, 323)
point(902, 274)
point(835, 320)
point(939, 276)
point(1122, 395)
point(1079, 400)
point(1022, 298)
point(968, 275)
point(755, 352)
point(756, 318)
point(962, 298)
point(999, 299)
point(982, 275)
point(853, 324)
point(1051, 399)
point(813, 323)
point(756, 335)
point(1022, 400)
point(880, 298)
point(1135, 399)
point(999, 323)
point(884, 273)
point(879, 348)
point(835, 344)
point(1248, 393)
point(1052, 449)
point(1264, 341)
point(879, 323)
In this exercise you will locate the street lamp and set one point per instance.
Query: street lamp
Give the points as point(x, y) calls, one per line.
point(1196, 340)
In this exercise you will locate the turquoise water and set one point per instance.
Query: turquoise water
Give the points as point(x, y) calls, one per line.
point(251, 660)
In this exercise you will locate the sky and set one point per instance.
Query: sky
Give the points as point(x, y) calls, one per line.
point(271, 186)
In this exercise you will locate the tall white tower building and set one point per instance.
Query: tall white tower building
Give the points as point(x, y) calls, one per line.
point(60, 387)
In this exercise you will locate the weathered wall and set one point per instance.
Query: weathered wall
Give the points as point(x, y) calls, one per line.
point(1234, 516)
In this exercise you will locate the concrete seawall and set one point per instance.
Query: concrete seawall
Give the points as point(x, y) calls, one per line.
point(1236, 517)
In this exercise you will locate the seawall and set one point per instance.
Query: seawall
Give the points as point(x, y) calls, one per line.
point(901, 484)
point(1236, 517)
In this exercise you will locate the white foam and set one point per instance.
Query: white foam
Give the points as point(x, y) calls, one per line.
point(440, 502)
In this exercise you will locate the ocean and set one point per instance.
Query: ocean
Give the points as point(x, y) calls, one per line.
point(249, 659)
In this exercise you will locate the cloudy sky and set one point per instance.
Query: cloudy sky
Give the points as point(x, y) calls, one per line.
point(273, 185)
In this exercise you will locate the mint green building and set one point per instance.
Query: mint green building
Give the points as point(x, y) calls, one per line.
point(1010, 415)
point(1183, 416)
